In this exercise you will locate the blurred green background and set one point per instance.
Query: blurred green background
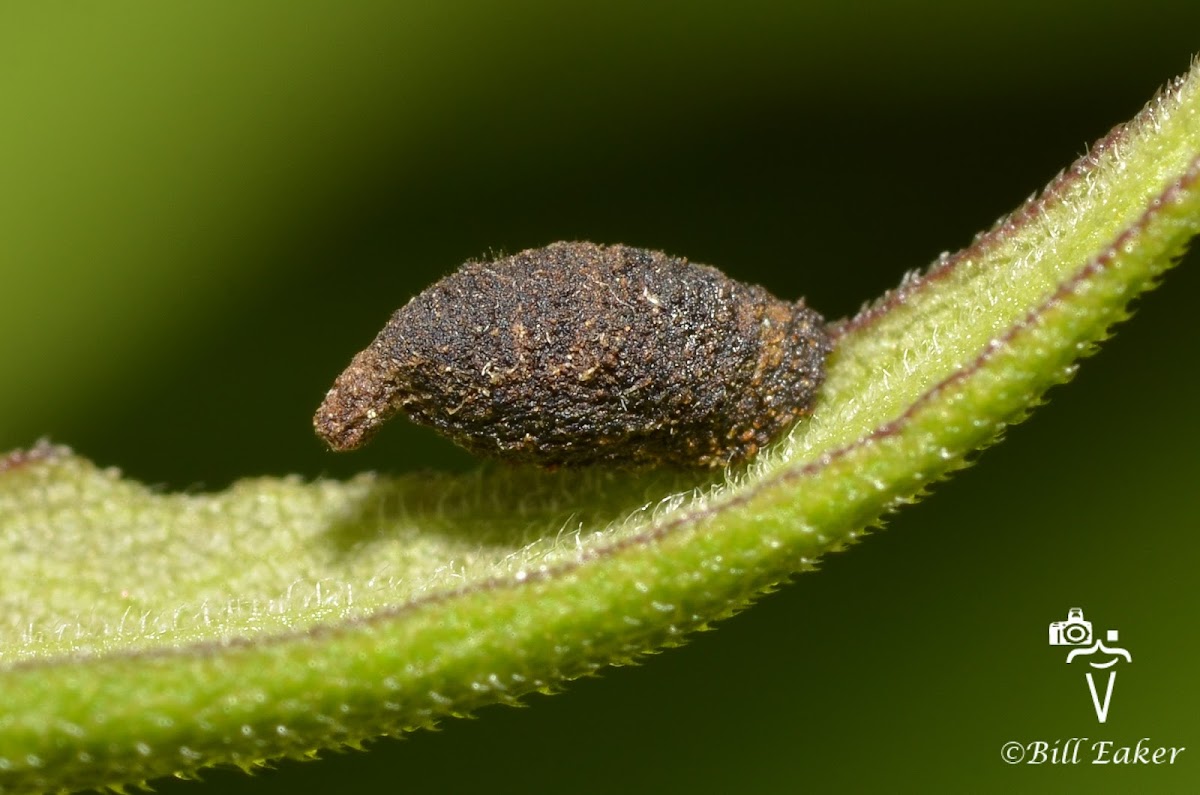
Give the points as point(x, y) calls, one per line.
point(205, 209)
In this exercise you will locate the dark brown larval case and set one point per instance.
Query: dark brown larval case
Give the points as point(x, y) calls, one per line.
point(579, 354)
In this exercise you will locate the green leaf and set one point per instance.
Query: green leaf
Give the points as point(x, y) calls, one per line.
point(148, 634)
